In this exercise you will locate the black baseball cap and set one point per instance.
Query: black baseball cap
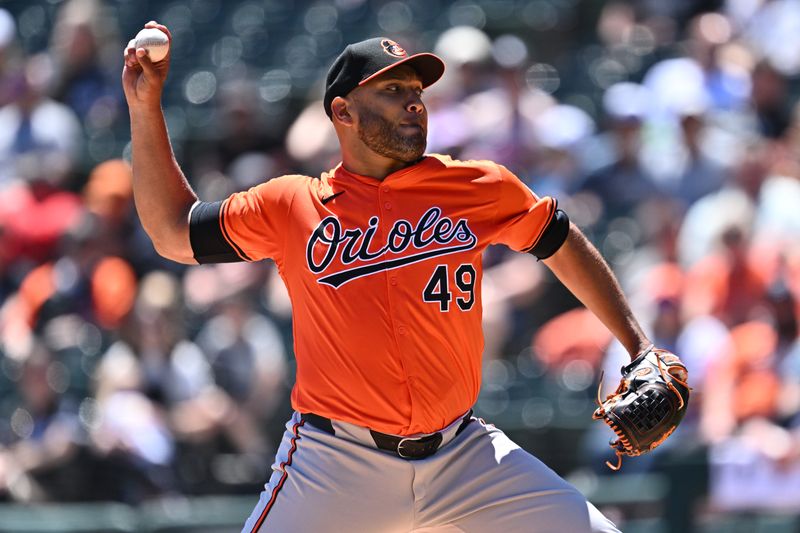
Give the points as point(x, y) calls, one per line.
point(362, 61)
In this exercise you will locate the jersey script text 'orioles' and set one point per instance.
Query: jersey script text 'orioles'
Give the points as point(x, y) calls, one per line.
point(385, 280)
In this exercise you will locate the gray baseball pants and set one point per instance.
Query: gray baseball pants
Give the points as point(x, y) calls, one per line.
point(478, 481)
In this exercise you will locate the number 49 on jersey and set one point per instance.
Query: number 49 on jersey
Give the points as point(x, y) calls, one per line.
point(441, 286)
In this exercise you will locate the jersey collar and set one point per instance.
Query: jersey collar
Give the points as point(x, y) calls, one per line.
point(341, 173)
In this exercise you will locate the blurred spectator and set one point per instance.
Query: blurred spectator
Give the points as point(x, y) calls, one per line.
point(172, 367)
point(247, 358)
point(769, 29)
point(561, 131)
point(475, 112)
point(732, 206)
point(248, 363)
point(625, 183)
point(700, 174)
point(117, 233)
point(725, 63)
point(84, 51)
point(727, 284)
point(750, 411)
point(9, 58)
point(34, 217)
point(129, 433)
point(243, 128)
point(310, 140)
point(777, 221)
point(40, 462)
point(215, 399)
point(108, 194)
point(769, 100)
point(573, 335)
point(84, 281)
point(40, 139)
point(665, 290)
point(509, 286)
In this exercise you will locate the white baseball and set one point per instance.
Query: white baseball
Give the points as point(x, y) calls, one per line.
point(154, 41)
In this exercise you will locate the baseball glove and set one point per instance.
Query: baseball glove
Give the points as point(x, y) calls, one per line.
point(648, 404)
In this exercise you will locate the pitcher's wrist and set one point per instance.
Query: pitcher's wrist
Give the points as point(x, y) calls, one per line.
point(145, 110)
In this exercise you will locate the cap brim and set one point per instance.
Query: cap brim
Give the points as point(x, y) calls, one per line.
point(429, 67)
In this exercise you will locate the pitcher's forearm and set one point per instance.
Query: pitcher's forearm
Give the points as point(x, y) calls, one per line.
point(162, 194)
point(581, 268)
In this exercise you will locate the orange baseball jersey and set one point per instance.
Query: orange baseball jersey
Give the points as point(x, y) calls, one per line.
point(384, 278)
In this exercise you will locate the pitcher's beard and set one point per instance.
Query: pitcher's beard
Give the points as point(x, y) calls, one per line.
point(383, 137)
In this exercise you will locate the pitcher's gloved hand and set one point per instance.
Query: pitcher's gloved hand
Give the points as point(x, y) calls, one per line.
point(648, 404)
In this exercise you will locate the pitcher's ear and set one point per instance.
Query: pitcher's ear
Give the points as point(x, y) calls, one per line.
point(340, 110)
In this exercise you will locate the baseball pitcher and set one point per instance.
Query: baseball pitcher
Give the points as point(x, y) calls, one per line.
point(381, 256)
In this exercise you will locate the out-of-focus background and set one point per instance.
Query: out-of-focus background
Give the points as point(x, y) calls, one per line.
point(141, 395)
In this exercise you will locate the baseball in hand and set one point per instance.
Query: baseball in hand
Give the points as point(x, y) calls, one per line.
point(154, 41)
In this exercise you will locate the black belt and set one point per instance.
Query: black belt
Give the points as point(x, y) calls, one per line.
point(405, 447)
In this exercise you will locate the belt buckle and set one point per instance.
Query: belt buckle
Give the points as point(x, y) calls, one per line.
point(400, 447)
point(428, 446)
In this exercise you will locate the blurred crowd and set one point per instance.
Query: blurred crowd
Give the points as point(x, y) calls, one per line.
point(669, 132)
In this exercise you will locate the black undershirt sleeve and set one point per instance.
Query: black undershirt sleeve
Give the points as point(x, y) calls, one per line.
point(553, 237)
point(205, 234)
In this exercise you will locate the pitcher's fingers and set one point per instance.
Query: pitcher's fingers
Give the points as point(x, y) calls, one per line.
point(154, 24)
point(144, 61)
point(130, 54)
point(130, 49)
point(130, 57)
point(165, 30)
